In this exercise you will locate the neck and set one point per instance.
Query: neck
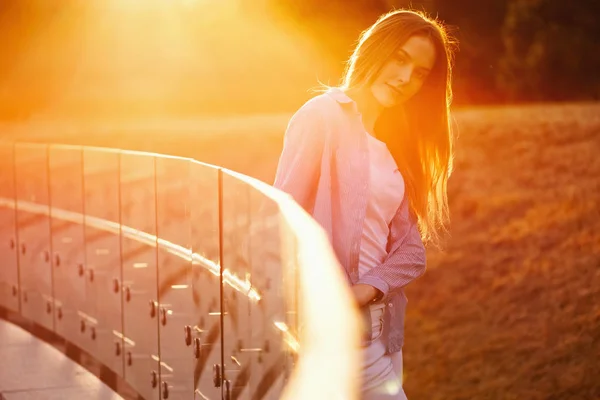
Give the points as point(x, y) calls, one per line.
point(368, 107)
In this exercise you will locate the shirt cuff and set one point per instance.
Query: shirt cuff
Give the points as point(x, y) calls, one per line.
point(377, 283)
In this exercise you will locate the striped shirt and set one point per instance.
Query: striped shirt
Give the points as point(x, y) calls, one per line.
point(324, 166)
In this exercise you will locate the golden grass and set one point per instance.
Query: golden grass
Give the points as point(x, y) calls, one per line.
point(511, 308)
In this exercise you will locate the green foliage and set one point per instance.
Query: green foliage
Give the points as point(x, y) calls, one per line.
point(550, 50)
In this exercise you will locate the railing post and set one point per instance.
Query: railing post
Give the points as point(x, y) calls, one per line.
point(220, 374)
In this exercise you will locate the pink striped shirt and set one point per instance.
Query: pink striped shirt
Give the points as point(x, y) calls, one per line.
point(324, 166)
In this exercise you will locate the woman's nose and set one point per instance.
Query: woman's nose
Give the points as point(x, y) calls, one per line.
point(404, 75)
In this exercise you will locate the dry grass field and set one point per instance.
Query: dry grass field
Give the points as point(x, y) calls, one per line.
point(510, 308)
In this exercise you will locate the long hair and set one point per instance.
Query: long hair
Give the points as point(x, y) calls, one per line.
point(418, 132)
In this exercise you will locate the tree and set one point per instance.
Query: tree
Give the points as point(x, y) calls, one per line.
point(550, 51)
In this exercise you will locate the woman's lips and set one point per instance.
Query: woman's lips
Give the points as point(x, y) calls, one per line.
point(395, 90)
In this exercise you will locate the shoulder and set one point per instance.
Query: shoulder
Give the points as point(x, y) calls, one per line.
point(323, 102)
point(321, 107)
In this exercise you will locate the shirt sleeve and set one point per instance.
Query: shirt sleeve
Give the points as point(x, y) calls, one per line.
point(406, 260)
point(300, 160)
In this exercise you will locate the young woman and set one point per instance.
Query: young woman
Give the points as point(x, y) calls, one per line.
point(370, 160)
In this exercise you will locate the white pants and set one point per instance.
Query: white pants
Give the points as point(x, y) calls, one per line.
point(381, 372)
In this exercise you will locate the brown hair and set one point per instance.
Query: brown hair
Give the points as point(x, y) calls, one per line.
point(418, 133)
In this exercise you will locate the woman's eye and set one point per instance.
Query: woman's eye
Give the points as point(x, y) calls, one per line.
point(420, 75)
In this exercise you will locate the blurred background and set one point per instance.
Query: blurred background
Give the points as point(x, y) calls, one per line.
point(510, 307)
point(130, 58)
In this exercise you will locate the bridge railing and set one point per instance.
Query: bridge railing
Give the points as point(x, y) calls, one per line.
point(185, 279)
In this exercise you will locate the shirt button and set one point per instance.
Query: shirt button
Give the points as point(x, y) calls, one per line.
point(390, 305)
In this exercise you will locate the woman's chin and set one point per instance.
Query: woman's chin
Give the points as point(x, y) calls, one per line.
point(388, 101)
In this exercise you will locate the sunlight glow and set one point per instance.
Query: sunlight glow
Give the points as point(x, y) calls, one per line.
point(162, 363)
point(288, 338)
point(116, 58)
point(243, 286)
point(87, 317)
point(392, 387)
point(175, 287)
point(124, 338)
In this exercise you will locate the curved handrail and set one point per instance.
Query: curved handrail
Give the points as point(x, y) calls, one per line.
point(328, 366)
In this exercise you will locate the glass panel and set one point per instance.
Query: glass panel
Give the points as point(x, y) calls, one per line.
point(291, 289)
point(9, 282)
point(68, 250)
point(102, 272)
point(33, 223)
point(176, 311)
point(270, 320)
point(256, 361)
point(206, 328)
point(240, 356)
point(138, 244)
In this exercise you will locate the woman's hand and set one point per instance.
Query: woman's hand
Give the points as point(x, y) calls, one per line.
point(364, 294)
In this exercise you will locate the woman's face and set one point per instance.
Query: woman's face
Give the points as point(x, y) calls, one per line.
point(402, 76)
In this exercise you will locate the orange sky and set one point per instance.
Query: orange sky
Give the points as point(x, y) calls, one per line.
point(155, 56)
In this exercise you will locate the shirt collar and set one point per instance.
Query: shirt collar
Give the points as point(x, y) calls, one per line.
point(338, 95)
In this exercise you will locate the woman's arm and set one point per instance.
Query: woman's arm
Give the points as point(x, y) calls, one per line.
point(406, 260)
point(300, 161)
